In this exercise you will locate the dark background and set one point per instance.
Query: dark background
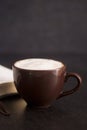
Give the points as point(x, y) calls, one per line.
point(41, 28)
point(54, 29)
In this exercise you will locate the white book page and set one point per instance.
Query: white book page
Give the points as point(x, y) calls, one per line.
point(6, 75)
point(7, 87)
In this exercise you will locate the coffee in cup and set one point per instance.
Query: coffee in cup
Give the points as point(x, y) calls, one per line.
point(40, 81)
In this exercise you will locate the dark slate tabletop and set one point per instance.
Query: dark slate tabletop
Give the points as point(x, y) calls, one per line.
point(66, 113)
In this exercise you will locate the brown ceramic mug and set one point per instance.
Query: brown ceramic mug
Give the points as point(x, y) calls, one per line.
point(40, 81)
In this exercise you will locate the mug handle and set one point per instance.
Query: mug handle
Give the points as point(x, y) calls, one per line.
point(79, 81)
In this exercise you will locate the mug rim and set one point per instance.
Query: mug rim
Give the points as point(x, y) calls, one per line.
point(53, 69)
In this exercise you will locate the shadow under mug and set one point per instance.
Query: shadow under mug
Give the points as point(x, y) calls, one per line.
point(39, 88)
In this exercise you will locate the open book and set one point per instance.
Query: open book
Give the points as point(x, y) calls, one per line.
point(7, 87)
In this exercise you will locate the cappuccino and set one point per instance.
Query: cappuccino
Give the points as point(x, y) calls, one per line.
point(40, 81)
point(38, 64)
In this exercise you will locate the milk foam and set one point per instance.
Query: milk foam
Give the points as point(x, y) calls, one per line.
point(38, 64)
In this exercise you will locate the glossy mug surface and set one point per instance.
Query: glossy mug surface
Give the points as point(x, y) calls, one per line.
point(40, 81)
